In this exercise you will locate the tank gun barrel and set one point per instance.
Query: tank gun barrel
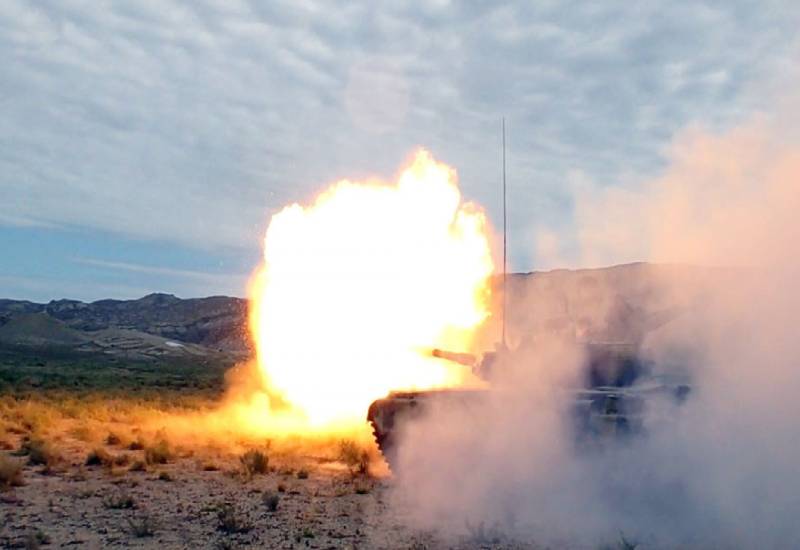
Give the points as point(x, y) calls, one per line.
point(466, 359)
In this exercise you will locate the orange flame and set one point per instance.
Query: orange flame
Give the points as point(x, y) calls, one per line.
point(355, 287)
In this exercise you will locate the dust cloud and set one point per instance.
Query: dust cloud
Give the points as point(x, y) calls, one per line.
point(722, 225)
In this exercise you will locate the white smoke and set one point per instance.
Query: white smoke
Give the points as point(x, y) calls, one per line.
point(720, 470)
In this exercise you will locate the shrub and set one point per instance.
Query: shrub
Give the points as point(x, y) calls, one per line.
point(160, 453)
point(121, 460)
point(271, 500)
point(255, 462)
point(99, 457)
point(40, 452)
point(302, 473)
point(120, 501)
point(113, 439)
point(137, 445)
point(84, 433)
point(138, 466)
point(228, 520)
point(34, 416)
point(142, 526)
point(164, 476)
point(10, 472)
point(354, 457)
point(5, 441)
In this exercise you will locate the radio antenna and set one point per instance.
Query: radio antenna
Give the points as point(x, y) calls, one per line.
point(505, 230)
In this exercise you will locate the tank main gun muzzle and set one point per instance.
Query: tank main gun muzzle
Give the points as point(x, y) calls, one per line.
point(466, 359)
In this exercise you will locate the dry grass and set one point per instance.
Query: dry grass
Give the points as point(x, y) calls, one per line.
point(99, 457)
point(142, 526)
point(230, 521)
point(255, 462)
point(354, 457)
point(114, 438)
point(40, 452)
point(6, 443)
point(138, 466)
point(120, 501)
point(85, 433)
point(160, 453)
point(209, 466)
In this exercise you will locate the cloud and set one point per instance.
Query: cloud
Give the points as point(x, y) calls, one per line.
point(195, 122)
point(17, 221)
point(155, 270)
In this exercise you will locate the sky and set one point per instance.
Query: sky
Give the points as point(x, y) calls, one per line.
point(144, 145)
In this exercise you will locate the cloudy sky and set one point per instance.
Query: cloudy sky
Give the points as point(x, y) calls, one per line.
point(144, 145)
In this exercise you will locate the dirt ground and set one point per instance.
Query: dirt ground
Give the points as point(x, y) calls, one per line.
point(82, 466)
point(204, 501)
point(196, 502)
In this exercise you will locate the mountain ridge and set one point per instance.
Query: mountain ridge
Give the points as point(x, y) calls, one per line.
point(215, 323)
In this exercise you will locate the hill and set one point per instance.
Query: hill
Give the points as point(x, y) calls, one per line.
point(152, 327)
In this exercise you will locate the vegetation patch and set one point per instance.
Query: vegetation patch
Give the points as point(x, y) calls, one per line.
point(255, 462)
point(99, 457)
point(354, 457)
point(40, 453)
point(120, 501)
point(230, 521)
point(142, 526)
point(160, 453)
point(271, 500)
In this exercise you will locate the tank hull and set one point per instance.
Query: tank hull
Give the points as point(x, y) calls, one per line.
point(597, 415)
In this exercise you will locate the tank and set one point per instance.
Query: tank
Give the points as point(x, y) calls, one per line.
point(608, 406)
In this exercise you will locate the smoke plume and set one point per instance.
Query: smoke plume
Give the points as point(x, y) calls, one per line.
point(719, 470)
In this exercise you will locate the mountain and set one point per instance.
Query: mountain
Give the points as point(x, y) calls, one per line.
point(157, 325)
point(36, 329)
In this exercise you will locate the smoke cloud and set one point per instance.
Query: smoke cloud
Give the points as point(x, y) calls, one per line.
point(721, 306)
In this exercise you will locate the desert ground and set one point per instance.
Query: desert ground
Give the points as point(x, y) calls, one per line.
point(84, 464)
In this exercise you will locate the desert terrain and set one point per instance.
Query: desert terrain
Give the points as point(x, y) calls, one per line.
point(81, 470)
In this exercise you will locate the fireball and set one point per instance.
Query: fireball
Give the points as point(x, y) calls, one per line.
point(358, 285)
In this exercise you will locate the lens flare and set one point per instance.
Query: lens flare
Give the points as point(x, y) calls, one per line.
point(357, 286)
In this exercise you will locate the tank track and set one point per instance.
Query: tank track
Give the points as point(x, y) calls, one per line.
point(384, 443)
